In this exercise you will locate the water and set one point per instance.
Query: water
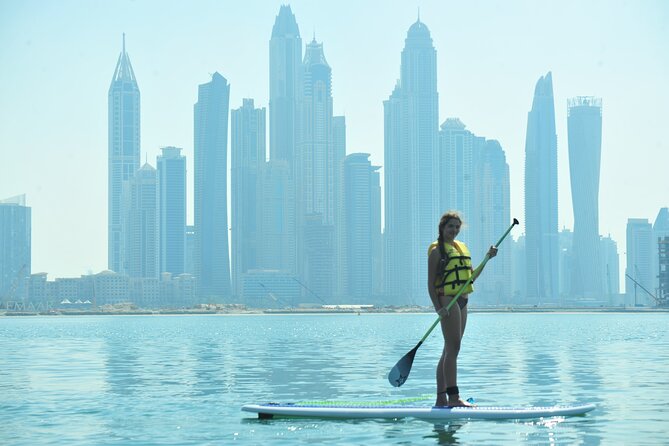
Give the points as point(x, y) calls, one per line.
point(135, 380)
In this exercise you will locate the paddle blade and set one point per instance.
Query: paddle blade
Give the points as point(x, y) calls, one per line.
point(399, 374)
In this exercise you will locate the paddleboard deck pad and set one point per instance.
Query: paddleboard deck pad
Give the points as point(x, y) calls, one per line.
point(297, 410)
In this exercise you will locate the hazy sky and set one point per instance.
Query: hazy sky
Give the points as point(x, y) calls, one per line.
point(58, 57)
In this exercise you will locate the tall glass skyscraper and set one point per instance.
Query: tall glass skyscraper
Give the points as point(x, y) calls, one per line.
point(411, 124)
point(285, 90)
point(475, 181)
point(493, 217)
point(339, 155)
point(610, 262)
point(315, 176)
point(641, 247)
point(285, 83)
point(584, 124)
point(172, 210)
point(361, 180)
point(541, 206)
point(314, 159)
point(277, 218)
point(15, 247)
point(247, 157)
point(458, 160)
point(123, 151)
point(141, 228)
point(212, 257)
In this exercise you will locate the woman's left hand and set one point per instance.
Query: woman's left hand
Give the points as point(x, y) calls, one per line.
point(492, 252)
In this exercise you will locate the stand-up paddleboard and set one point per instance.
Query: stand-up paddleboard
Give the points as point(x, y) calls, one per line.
point(299, 410)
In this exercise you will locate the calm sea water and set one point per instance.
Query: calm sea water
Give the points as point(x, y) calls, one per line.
point(136, 380)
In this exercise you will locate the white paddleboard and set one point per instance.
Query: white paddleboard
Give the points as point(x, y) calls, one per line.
point(270, 410)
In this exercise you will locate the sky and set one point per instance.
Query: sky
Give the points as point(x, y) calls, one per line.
point(58, 57)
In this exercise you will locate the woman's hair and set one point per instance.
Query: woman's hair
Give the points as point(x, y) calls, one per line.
point(450, 215)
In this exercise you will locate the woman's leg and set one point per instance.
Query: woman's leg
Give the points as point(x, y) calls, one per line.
point(463, 317)
point(454, 398)
point(447, 368)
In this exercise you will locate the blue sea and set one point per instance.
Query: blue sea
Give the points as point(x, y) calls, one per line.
point(182, 380)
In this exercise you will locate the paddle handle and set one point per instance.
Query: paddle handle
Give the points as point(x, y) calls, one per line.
point(476, 271)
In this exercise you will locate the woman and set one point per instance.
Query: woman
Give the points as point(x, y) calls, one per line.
point(449, 267)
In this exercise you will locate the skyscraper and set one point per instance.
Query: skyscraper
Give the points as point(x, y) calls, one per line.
point(314, 158)
point(172, 210)
point(247, 158)
point(285, 90)
point(610, 263)
point(457, 182)
point(212, 257)
point(123, 151)
point(15, 247)
point(584, 123)
point(277, 218)
point(493, 213)
point(661, 267)
point(338, 156)
point(315, 175)
point(475, 181)
point(285, 83)
point(411, 124)
point(141, 224)
point(360, 182)
point(660, 232)
point(541, 207)
point(641, 247)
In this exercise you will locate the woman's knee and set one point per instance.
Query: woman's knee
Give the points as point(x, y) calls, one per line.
point(453, 347)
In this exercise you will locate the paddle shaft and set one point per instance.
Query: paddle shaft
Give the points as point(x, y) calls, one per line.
point(475, 273)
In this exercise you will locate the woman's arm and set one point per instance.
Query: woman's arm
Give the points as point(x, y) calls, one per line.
point(492, 252)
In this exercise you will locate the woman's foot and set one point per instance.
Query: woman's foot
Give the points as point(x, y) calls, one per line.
point(457, 402)
point(442, 400)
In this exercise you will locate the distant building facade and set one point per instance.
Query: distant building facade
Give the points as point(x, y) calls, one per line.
point(15, 247)
point(361, 183)
point(411, 124)
point(285, 84)
point(141, 227)
point(610, 265)
point(584, 124)
point(212, 258)
point(271, 289)
point(123, 151)
point(248, 154)
point(277, 218)
point(189, 263)
point(641, 246)
point(171, 167)
point(541, 206)
point(459, 160)
point(494, 217)
point(477, 185)
point(315, 171)
point(660, 232)
point(565, 263)
point(277, 178)
point(339, 156)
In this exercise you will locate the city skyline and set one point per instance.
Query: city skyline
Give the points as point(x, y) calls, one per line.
point(62, 251)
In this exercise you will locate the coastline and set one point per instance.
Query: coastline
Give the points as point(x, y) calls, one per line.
point(237, 311)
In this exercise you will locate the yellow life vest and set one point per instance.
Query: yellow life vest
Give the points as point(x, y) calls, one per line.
point(454, 272)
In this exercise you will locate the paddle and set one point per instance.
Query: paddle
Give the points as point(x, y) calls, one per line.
point(399, 374)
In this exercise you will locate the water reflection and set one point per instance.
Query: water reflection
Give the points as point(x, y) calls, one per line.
point(183, 380)
point(445, 433)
